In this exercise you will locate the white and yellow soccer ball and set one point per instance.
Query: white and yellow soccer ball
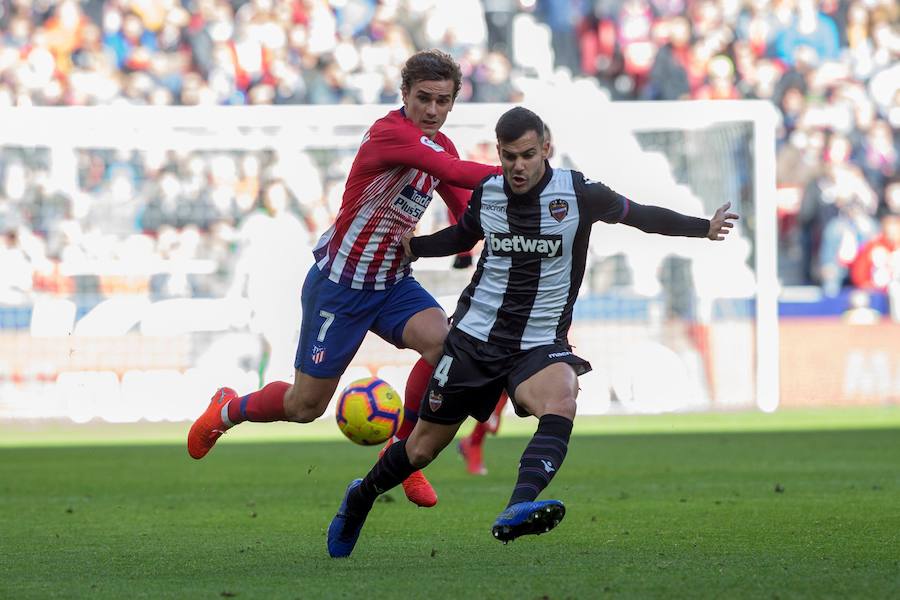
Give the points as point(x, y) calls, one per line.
point(369, 411)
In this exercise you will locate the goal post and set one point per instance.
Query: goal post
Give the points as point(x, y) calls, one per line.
point(761, 117)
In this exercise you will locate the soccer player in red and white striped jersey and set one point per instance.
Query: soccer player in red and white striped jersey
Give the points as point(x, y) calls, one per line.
point(390, 185)
point(362, 280)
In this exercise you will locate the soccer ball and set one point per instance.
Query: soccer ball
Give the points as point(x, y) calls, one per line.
point(369, 411)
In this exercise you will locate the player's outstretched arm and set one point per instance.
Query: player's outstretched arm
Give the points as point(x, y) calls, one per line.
point(606, 205)
point(656, 219)
point(408, 147)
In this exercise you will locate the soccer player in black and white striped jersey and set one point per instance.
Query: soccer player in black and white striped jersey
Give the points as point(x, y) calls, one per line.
point(510, 327)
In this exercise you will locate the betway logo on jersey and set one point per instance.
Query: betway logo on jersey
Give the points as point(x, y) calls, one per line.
point(517, 244)
point(412, 202)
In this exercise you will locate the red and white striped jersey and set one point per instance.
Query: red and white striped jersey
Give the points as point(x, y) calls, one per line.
point(393, 178)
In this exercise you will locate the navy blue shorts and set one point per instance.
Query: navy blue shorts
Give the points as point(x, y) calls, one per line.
point(336, 318)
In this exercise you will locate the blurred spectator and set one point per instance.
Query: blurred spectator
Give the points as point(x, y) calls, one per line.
point(635, 26)
point(842, 238)
point(562, 16)
point(836, 216)
point(668, 79)
point(809, 28)
point(860, 311)
point(758, 22)
point(891, 202)
point(878, 263)
point(491, 81)
point(16, 283)
point(877, 154)
point(498, 16)
point(131, 44)
point(719, 81)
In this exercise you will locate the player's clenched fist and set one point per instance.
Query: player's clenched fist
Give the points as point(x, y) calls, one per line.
point(406, 249)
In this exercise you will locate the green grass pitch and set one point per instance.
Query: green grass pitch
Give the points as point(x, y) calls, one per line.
point(790, 505)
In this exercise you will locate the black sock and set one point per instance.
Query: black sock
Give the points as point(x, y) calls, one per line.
point(542, 458)
point(390, 471)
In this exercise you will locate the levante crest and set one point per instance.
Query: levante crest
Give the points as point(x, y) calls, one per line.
point(435, 400)
point(559, 209)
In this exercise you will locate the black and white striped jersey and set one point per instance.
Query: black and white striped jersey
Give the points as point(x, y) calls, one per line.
point(535, 247)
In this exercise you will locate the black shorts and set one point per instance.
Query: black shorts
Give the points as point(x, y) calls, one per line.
point(472, 374)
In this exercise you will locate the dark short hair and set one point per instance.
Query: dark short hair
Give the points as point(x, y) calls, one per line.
point(431, 65)
point(516, 122)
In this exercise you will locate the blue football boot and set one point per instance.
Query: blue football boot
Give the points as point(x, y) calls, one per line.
point(526, 518)
point(344, 529)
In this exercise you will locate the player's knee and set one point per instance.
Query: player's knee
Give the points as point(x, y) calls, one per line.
point(431, 345)
point(433, 354)
point(563, 406)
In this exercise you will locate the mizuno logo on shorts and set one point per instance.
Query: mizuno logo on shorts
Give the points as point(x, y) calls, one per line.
point(516, 244)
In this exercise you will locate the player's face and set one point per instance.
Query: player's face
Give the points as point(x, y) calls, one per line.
point(523, 161)
point(427, 104)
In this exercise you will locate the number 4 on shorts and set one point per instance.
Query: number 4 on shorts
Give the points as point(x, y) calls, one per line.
point(442, 370)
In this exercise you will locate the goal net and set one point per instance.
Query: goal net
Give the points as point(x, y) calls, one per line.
point(142, 267)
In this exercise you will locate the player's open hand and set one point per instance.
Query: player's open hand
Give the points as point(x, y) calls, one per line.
point(721, 223)
point(406, 249)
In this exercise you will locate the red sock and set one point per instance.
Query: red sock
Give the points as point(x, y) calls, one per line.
point(416, 384)
point(493, 423)
point(262, 406)
point(476, 438)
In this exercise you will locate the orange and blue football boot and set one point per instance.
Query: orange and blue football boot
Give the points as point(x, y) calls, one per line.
point(210, 426)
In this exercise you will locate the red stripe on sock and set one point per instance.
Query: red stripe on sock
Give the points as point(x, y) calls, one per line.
point(262, 406)
point(416, 385)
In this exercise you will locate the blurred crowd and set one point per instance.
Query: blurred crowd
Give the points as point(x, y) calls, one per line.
point(831, 67)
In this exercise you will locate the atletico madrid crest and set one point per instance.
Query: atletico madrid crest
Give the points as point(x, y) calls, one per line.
point(559, 209)
point(318, 354)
